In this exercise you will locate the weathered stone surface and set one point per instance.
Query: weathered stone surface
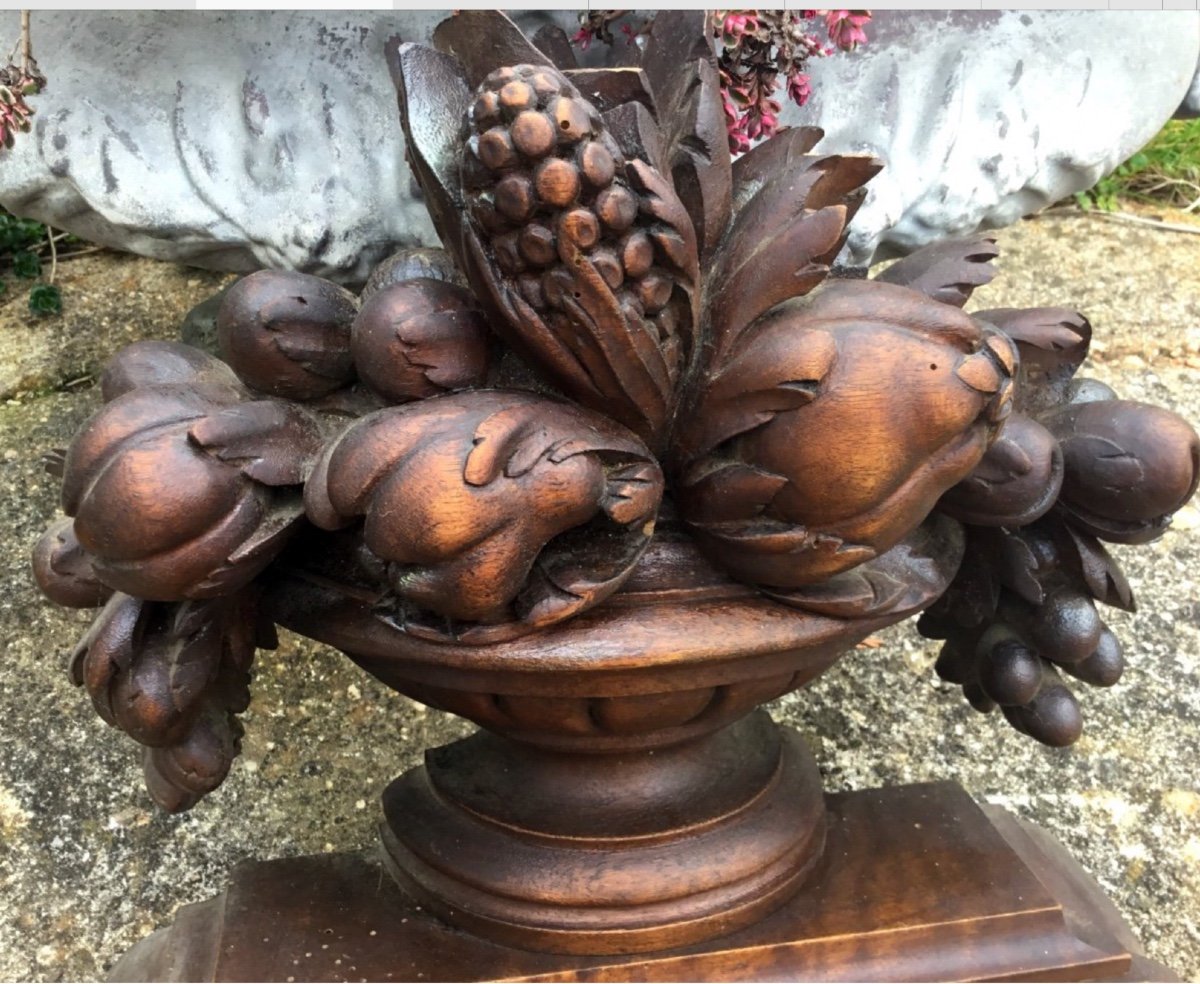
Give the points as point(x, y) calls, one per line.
point(985, 116)
point(89, 866)
point(269, 138)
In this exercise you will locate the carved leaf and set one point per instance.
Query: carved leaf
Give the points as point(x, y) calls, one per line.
point(1053, 343)
point(63, 569)
point(1101, 573)
point(948, 271)
point(679, 61)
point(434, 95)
point(271, 441)
point(552, 41)
point(781, 367)
point(611, 88)
point(1019, 567)
point(781, 243)
point(482, 41)
point(783, 152)
point(900, 581)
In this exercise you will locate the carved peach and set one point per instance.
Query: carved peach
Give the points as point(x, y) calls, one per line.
point(420, 338)
point(834, 429)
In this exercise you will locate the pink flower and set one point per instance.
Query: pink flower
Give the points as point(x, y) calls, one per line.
point(582, 38)
point(799, 89)
point(846, 27)
point(735, 25)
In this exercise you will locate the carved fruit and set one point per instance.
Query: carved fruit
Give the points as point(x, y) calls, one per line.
point(589, 259)
point(63, 570)
point(420, 338)
point(490, 513)
point(1017, 481)
point(288, 334)
point(173, 488)
point(173, 676)
point(833, 431)
point(1129, 466)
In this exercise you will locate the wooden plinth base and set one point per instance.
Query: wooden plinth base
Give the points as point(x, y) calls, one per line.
point(917, 883)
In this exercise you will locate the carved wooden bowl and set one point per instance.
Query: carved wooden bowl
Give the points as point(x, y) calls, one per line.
point(622, 758)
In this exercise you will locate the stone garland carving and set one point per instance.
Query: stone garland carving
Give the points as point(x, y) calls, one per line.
point(625, 322)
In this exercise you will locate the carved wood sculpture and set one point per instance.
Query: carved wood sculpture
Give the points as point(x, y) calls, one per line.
point(621, 464)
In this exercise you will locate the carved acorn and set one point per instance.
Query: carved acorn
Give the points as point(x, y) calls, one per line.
point(491, 512)
point(179, 490)
point(832, 432)
point(419, 338)
point(1129, 466)
point(287, 334)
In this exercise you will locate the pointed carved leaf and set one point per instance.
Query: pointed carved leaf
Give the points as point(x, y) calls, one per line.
point(948, 271)
point(1053, 343)
point(610, 88)
point(1102, 574)
point(1019, 568)
point(769, 159)
point(483, 41)
point(782, 369)
point(781, 242)
point(730, 492)
point(434, 95)
point(272, 442)
point(678, 58)
point(552, 41)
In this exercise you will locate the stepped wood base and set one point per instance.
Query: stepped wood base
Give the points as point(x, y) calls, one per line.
point(916, 883)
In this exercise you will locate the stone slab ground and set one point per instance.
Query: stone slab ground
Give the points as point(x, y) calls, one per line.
point(88, 866)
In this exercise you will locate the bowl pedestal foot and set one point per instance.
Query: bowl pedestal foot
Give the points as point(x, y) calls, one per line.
point(911, 883)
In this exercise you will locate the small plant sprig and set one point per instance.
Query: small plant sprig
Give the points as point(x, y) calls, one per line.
point(21, 242)
point(18, 80)
point(597, 25)
point(759, 48)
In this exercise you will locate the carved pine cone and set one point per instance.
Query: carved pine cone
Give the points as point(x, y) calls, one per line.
point(590, 257)
point(807, 474)
point(490, 513)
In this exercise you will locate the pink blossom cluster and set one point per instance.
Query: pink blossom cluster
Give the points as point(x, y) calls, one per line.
point(15, 85)
point(758, 47)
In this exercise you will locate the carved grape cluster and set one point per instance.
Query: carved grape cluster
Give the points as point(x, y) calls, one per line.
point(1077, 466)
